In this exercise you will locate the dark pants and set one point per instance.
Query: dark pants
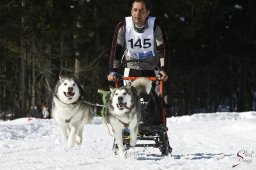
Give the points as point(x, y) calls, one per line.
point(142, 73)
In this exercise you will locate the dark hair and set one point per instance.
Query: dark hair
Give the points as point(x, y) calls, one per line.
point(146, 2)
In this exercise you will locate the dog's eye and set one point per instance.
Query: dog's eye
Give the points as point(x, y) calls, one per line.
point(65, 84)
point(116, 94)
point(124, 93)
point(74, 84)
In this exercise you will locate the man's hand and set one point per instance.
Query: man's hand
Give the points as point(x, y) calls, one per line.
point(163, 76)
point(112, 76)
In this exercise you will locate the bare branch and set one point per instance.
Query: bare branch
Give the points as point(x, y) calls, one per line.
point(89, 66)
point(6, 5)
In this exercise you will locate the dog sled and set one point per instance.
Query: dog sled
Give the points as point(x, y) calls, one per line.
point(151, 133)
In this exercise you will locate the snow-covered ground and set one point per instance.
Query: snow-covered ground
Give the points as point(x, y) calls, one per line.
point(201, 141)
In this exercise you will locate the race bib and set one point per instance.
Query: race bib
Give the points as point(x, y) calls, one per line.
point(140, 45)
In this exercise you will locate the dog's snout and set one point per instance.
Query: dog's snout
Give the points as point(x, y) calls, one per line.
point(120, 98)
point(70, 88)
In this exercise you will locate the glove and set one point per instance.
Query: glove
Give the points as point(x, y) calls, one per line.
point(162, 76)
point(112, 76)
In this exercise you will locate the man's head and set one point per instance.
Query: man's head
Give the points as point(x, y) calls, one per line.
point(140, 12)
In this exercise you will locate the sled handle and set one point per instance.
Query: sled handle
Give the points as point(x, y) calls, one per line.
point(161, 85)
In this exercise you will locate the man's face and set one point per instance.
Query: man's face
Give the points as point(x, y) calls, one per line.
point(139, 13)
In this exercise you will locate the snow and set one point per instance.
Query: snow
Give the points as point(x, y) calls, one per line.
point(200, 141)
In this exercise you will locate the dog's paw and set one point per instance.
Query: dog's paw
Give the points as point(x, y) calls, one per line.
point(78, 140)
point(71, 143)
point(133, 143)
point(122, 154)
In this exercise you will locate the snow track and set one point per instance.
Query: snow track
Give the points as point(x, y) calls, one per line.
point(200, 141)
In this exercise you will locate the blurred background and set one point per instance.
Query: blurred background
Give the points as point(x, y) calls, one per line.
point(212, 65)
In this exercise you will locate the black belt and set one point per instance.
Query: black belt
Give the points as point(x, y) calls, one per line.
point(141, 73)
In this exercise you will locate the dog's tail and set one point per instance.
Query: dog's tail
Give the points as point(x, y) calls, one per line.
point(142, 84)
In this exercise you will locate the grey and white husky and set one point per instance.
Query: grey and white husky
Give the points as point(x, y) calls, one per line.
point(69, 110)
point(124, 111)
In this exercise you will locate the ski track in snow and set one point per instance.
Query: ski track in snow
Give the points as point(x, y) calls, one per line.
point(200, 141)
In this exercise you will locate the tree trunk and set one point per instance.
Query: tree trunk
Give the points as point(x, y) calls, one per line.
point(22, 62)
point(77, 68)
point(33, 79)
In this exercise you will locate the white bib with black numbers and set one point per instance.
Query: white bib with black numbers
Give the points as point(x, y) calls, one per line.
point(140, 45)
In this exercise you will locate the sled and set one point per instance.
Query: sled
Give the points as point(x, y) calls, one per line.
point(155, 133)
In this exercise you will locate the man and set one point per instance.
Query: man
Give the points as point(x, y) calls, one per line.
point(142, 37)
point(139, 37)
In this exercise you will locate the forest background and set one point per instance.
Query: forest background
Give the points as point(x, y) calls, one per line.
point(212, 65)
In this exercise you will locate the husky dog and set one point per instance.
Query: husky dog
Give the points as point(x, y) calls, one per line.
point(124, 111)
point(69, 111)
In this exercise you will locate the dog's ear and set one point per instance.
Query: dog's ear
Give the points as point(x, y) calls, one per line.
point(61, 78)
point(111, 89)
point(134, 90)
point(129, 83)
point(82, 91)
